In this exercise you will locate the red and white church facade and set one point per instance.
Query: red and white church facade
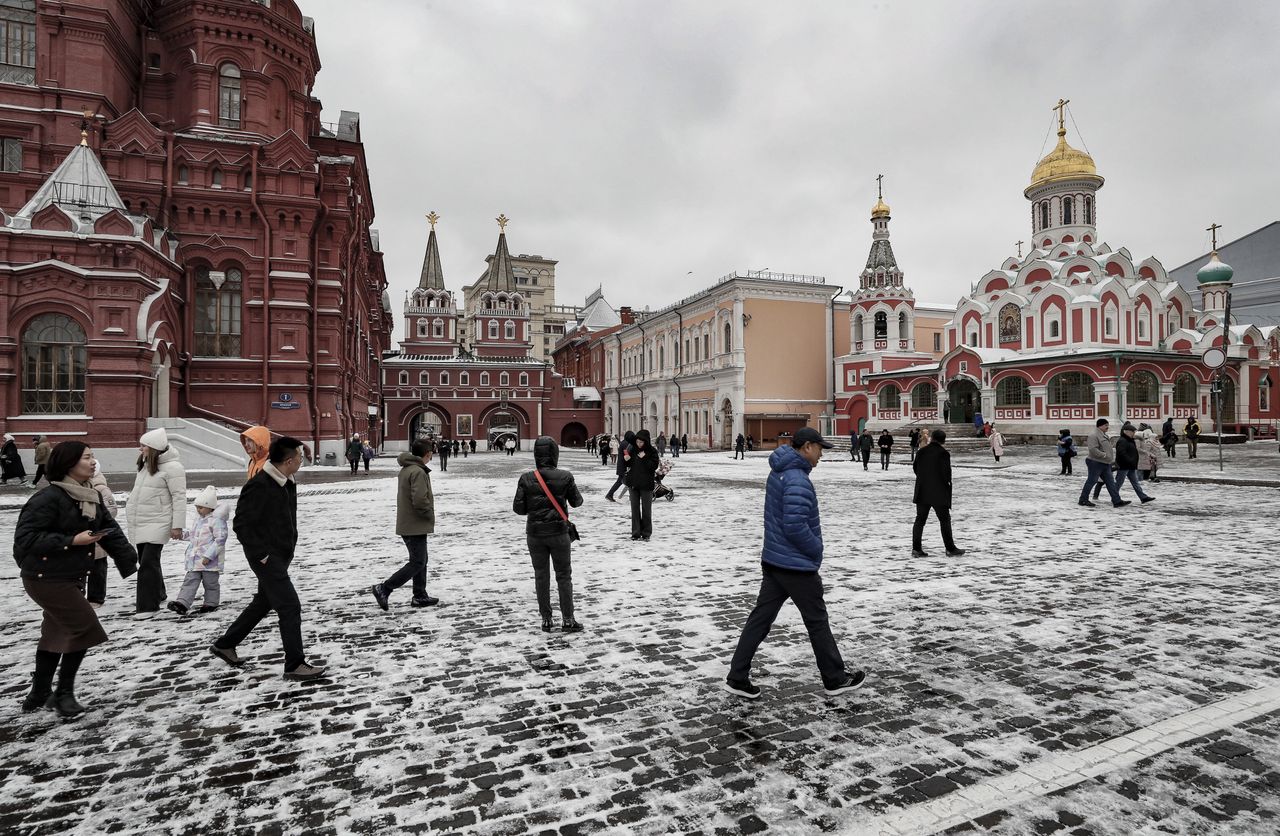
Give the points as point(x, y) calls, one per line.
point(1075, 330)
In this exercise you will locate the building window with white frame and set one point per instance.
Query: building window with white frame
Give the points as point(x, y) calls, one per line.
point(484, 378)
point(504, 379)
point(424, 378)
point(422, 327)
point(229, 96)
point(524, 378)
point(493, 329)
point(404, 378)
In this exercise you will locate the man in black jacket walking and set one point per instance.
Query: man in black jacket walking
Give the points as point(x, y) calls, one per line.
point(864, 447)
point(933, 490)
point(1127, 463)
point(266, 522)
point(885, 443)
point(546, 532)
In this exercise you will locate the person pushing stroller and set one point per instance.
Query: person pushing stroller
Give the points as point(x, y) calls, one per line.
point(661, 491)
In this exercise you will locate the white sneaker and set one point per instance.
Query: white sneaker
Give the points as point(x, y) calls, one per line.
point(143, 616)
point(97, 605)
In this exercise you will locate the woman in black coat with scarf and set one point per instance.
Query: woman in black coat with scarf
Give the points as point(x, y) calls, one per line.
point(642, 463)
point(54, 547)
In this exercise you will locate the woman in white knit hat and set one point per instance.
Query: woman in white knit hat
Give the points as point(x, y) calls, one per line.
point(157, 510)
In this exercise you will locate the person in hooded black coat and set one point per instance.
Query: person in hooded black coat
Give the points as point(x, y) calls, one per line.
point(933, 491)
point(628, 441)
point(864, 447)
point(546, 532)
point(11, 462)
point(740, 447)
point(642, 463)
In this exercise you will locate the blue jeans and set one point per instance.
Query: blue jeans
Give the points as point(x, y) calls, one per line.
point(1132, 476)
point(416, 568)
point(1099, 472)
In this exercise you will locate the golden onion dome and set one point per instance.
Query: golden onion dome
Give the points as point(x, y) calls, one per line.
point(880, 210)
point(1062, 163)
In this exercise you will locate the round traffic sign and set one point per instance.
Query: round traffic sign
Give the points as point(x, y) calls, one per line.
point(1214, 358)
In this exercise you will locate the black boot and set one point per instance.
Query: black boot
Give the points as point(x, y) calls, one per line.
point(64, 702)
point(41, 680)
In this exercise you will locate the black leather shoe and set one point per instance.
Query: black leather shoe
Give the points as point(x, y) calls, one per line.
point(425, 601)
point(380, 595)
point(919, 553)
point(63, 701)
point(37, 698)
point(1086, 503)
point(955, 552)
point(547, 625)
point(571, 626)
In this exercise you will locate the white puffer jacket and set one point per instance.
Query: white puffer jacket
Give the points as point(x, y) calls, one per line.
point(158, 502)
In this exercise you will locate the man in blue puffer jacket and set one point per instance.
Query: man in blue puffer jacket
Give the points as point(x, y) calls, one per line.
point(790, 562)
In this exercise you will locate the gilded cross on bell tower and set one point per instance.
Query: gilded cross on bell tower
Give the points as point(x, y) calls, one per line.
point(880, 186)
point(433, 219)
point(1061, 107)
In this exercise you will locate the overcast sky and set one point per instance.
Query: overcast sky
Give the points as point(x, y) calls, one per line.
point(653, 146)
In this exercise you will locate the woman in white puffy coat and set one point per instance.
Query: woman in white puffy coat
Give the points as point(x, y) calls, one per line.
point(156, 512)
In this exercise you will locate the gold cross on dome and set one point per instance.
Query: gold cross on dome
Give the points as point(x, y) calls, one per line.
point(502, 220)
point(1213, 231)
point(1020, 243)
point(432, 218)
point(1061, 107)
point(880, 186)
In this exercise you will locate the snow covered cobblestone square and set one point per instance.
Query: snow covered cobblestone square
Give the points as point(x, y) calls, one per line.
point(993, 678)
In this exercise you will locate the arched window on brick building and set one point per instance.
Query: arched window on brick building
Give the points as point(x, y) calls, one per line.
point(890, 397)
point(1143, 390)
point(217, 325)
point(1013, 391)
point(1186, 392)
point(1071, 389)
point(53, 366)
point(229, 96)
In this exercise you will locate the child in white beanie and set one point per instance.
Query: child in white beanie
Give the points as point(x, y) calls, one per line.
point(206, 547)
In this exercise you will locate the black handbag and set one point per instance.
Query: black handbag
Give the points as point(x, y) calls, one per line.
point(573, 529)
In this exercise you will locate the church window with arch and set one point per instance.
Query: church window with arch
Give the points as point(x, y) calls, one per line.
point(509, 330)
point(890, 397)
point(53, 366)
point(437, 328)
point(904, 330)
point(882, 325)
point(1088, 211)
point(1071, 389)
point(1013, 391)
point(924, 396)
point(217, 319)
point(1068, 211)
point(1186, 391)
point(229, 96)
point(1010, 323)
point(1143, 389)
point(422, 327)
point(493, 329)
point(728, 337)
point(1044, 215)
point(1264, 394)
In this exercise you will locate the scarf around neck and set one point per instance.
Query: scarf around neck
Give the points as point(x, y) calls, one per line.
point(88, 498)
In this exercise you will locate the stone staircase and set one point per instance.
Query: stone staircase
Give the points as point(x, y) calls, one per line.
point(202, 444)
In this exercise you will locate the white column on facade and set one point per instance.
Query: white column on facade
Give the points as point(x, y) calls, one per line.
point(539, 417)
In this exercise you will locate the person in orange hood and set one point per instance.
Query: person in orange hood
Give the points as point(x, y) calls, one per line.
point(256, 441)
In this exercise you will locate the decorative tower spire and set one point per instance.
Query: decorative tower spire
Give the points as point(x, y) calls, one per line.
point(882, 268)
point(501, 277)
point(432, 277)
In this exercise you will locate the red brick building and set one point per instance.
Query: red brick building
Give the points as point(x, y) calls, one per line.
point(182, 235)
point(579, 355)
point(471, 375)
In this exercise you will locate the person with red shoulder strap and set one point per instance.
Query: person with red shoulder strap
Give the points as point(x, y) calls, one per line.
point(543, 496)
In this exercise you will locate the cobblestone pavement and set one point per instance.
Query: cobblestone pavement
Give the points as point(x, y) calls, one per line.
point(1082, 671)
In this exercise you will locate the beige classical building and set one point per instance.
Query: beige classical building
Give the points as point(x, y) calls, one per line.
point(536, 281)
point(751, 354)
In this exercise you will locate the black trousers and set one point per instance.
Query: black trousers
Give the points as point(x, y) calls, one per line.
point(39, 475)
point(884, 459)
point(618, 483)
point(546, 553)
point(151, 591)
point(805, 589)
point(96, 590)
point(275, 592)
point(866, 457)
point(444, 462)
point(415, 569)
point(944, 519)
point(641, 513)
point(355, 465)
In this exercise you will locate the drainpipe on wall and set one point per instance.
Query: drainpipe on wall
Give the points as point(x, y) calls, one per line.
point(644, 371)
point(266, 281)
point(831, 357)
point(315, 327)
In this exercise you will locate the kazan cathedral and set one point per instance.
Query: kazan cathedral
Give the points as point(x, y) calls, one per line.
point(1076, 330)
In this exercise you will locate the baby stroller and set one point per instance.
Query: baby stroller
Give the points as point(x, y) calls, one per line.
point(661, 491)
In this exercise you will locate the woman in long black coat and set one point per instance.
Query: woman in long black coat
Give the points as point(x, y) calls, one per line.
point(53, 545)
point(11, 462)
point(641, 462)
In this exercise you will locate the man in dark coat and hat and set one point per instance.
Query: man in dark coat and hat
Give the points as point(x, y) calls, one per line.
point(933, 490)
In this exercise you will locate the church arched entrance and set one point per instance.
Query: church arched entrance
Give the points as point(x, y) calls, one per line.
point(573, 435)
point(1228, 404)
point(963, 401)
point(501, 425)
